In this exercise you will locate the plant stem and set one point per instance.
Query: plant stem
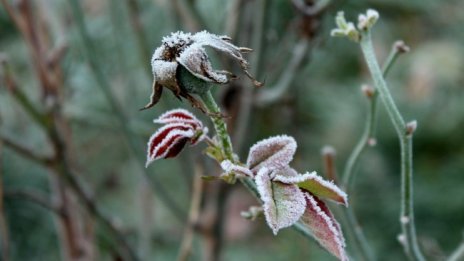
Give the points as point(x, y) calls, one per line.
point(221, 131)
point(353, 227)
point(407, 211)
point(458, 254)
point(219, 124)
point(370, 125)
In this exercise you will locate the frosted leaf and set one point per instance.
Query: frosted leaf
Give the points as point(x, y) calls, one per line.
point(283, 204)
point(179, 116)
point(316, 185)
point(326, 230)
point(168, 141)
point(230, 167)
point(274, 153)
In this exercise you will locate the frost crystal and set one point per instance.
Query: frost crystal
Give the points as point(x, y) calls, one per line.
point(323, 225)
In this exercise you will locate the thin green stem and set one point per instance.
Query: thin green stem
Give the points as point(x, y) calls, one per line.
point(410, 243)
point(353, 227)
point(370, 124)
point(458, 254)
point(219, 124)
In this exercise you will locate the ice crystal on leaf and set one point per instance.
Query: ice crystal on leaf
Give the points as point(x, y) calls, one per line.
point(288, 196)
point(324, 227)
point(275, 152)
point(181, 127)
point(188, 51)
point(238, 170)
point(283, 204)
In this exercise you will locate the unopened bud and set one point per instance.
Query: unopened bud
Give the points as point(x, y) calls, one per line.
point(368, 90)
point(401, 47)
point(366, 21)
point(404, 220)
point(411, 127)
point(402, 239)
point(328, 151)
point(252, 213)
point(372, 142)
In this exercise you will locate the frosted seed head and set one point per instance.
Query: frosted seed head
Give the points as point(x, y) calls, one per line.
point(404, 220)
point(328, 150)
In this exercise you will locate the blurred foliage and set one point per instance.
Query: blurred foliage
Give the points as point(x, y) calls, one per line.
point(324, 105)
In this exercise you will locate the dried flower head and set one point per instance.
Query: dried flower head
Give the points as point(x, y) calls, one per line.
point(186, 50)
point(181, 127)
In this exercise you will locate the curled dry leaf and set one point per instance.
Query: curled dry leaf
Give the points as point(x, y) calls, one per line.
point(326, 230)
point(273, 153)
point(181, 127)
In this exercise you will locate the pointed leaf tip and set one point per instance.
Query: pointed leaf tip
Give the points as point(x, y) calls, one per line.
point(326, 230)
point(274, 153)
point(317, 186)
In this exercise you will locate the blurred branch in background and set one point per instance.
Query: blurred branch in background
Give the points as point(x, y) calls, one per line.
point(4, 233)
point(458, 254)
point(185, 250)
point(133, 143)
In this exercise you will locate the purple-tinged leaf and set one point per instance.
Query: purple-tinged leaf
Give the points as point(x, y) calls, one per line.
point(283, 204)
point(316, 185)
point(326, 230)
point(272, 153)
point(230, 167)
point(179, 116)
point(168, 141)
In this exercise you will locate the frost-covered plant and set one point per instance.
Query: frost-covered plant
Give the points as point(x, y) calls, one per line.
point(182, 65)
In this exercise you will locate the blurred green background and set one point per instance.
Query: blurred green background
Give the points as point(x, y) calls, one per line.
point(104, 79)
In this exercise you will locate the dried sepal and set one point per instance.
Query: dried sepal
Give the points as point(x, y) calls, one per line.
point(273, 153)
point(283, 204)
point(316, 185)
point(229, 167)
point(326, 230)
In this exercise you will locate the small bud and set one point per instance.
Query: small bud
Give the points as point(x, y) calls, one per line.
point(402, 239)
point(252, 213)
point(328, 150)
point(344, 28)
point(368, 91)
point(404, 220)
point(372, 142)
point(411, 127)
point(401, 47)
point(366, 21)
